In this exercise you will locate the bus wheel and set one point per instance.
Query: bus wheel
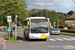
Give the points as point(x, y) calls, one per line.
point(47, 40)
point(25, 36)
point(28, 37)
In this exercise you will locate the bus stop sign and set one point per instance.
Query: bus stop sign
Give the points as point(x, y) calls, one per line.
point(8, 18)
point(9, 29)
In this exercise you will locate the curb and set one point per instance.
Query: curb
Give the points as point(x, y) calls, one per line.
point(14, 42)
point(67, 35)
point(2, 42)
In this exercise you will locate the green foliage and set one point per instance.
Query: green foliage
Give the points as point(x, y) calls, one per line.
point(70, 12)
point(51, 14)
point(69, 31)
point(7, 37)
point(11, 41)
point(66, 24)
point(72, 26)
point(5, 30)
point(12, 8)
point(12, 38)
point(66, 33)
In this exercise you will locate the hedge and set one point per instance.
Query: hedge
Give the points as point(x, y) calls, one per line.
point(69, 31)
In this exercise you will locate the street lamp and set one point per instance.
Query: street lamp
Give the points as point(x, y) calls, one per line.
point(41, 12)
point(74, 11)
point(16, 26)
point(58, 15)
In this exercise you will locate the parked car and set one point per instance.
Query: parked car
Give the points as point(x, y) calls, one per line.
point(55, 31)
point(65, 28)
point(73, 28)
point(13, 27)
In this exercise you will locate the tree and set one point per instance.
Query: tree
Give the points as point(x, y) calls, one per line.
point(70, 12)
point(51, 14)
point(61, 19)
point(12, 8)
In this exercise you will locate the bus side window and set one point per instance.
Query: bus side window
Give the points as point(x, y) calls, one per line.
point(25, 23)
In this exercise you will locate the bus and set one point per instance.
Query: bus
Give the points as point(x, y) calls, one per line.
point(36, 28)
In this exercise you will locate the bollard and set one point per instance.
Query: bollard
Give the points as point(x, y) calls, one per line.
point(0, 29)
point(11, 34)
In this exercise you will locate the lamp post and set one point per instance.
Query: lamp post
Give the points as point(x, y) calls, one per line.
point(74, 11)
point(15, 26)
point(41, 12)
point(58, 17)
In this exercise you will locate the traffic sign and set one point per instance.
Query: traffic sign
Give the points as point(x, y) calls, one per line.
point(54, 22)
point(6, 27)
point(8, 18)
point(9, 29)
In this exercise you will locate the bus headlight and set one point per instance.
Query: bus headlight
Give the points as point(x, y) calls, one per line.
point(31, 36)
point(47, 36)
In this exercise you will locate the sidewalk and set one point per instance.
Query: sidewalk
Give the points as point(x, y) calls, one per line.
point(2, 33)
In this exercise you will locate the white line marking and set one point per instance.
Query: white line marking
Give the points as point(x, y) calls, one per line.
point(67, 39)
point(4, 46)
point(59, 39)
point(51, 39)
point(73, 38)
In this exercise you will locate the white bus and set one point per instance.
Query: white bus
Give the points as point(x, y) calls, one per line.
point(36, 28)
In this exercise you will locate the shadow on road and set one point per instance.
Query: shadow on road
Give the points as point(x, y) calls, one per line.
point(31, 40)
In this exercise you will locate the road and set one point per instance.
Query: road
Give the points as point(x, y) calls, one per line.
point(56, 42)
point(2, 42)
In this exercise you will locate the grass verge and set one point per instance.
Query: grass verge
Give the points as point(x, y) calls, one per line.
point(20, 27)
point(12, 39)
point(67, 33)
point(5, 30)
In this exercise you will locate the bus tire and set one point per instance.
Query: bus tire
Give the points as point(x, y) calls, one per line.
point(47, 40)
point(28, 37)
point(25, 36)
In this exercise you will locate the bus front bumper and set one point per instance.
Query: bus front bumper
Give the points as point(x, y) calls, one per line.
point(38, 37)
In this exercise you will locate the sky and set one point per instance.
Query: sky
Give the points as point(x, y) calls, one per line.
point(64, 6)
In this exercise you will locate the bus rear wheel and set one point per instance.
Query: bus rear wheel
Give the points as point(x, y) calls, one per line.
point(25, 36)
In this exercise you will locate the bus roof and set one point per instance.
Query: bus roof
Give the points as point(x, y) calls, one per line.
point(35, 18)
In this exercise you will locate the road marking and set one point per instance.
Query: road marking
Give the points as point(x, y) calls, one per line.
point(73, 38)
point(4, 46)
point(2, 42)
point(52, 39)
point(59, 39)
point(67, 39)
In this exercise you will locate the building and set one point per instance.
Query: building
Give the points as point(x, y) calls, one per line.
point(70, 16)
point(70, 22)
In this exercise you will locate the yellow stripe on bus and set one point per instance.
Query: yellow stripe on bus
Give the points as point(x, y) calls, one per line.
point(43, 35)
point(27, 22)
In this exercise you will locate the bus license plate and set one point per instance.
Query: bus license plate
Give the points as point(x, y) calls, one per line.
point(43, 35)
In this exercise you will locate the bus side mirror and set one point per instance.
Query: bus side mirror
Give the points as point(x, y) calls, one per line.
point(49, 24)
point(27, 22)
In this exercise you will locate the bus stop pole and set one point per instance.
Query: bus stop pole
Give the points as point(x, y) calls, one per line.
point(9, 32)
point(16, 27)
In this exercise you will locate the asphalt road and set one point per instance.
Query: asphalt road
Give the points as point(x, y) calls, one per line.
point(2, 42)
point(56, 42)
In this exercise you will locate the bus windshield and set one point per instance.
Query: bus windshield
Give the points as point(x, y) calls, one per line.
point(39, 27)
